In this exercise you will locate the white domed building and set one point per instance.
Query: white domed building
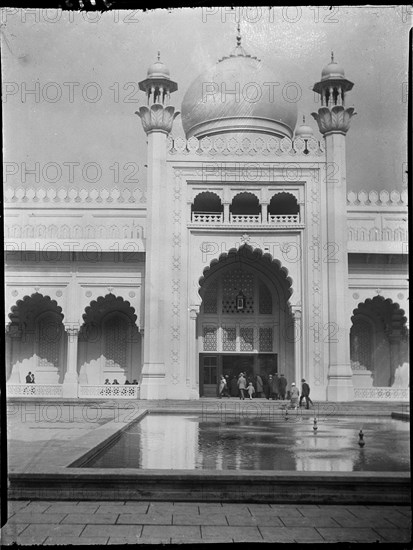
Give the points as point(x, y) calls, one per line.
point(250, 255)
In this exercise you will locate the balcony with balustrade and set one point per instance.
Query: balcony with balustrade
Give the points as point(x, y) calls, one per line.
point(245, 210)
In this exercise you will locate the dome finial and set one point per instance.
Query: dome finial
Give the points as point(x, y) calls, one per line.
point(159, 55)
point(332, 57)
point(303, 119)
point(238, 34)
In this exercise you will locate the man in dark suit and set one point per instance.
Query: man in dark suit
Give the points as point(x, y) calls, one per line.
point(305, 393)
point(282, 384)
point(29, 378)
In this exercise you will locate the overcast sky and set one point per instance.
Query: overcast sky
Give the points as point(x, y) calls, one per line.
point(73, 57)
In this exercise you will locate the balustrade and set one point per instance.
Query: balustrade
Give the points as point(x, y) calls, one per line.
point(207, 217)
point(204, 217)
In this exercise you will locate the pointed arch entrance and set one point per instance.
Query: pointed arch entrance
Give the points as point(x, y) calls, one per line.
point(109, 342)
point(379, 342)
point(245, 322)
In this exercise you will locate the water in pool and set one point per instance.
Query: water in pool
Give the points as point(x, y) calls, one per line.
point(173, 441)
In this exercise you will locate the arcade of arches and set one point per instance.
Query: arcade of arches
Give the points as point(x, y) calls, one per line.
point(245, 324)
point(109, 343)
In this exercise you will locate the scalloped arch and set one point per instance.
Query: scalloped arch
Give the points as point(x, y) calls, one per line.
point(254, 258)
point(36, 296)
point(397, 313)
point(104, 301)
point(252, 193)
point(206, 193)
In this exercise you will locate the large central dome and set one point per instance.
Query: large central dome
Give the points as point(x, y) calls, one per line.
point(240, 95)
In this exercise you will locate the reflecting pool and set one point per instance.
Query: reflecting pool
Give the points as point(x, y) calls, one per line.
point(186, 441)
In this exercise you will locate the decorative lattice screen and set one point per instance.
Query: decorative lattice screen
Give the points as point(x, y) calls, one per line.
point(266, 339)
point(210, 298)
point(235, 281)
point(228, 339)
point(247, 338)
point(210, 338)
point(265, 300)
point(361, 343)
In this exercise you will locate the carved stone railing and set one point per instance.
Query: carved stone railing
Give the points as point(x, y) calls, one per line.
point(34, 390)
point(245, 218)
point(381, 394)
point(203, 217)
point(293, 218)
point(130, 391)
point(225, 145)
point(377, 199)
point(22, 195)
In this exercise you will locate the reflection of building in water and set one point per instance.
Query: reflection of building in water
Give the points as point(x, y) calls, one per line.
point(327, 453)
point(168, 442)
point(247, 253)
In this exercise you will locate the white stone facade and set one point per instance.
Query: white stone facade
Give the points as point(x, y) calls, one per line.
point(109, 284)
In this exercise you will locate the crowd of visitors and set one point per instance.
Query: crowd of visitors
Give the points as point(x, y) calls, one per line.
point(260, 386)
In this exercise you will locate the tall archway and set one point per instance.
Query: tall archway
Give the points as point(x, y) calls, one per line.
point(379, 341)
point(109, 342)
point(36, 341)
point(245, 322)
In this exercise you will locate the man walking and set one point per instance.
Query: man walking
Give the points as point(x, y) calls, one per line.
point(242, 385)
point(305, 392)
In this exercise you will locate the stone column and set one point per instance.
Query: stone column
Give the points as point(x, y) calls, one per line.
point(192, 365)
point(298, 344)
point(334, 123)
point(226, 212)
point(70, 383)
point(157, 124)
point(264, 212)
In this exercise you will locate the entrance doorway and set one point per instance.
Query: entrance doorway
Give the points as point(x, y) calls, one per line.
point(212, 367)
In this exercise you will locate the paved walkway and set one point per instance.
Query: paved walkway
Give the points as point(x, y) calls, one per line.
point(131, 522)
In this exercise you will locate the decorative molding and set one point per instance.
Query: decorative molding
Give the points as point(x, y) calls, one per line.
point(34, 390)
point(107, 391)
point(225, 145)
point(67, 195)
point(175, 334)
point(398, 234)
point(76, 231)
point(377, 198)
point(382, 394)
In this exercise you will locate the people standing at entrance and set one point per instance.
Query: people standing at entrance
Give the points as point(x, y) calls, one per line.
point(29, 378)
point(275, 389)
point(222, 387)
point(268, 389)
point(305, 393)
point(250, 390)
point(242, 385)
point(233, 386)
point(260, 386)
point(294, 396)
point(282, 384)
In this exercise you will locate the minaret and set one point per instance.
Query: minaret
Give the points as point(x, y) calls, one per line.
point(157, 118)
point(333, 120)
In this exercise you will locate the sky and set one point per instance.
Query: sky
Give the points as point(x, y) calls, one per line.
point(79, 128)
